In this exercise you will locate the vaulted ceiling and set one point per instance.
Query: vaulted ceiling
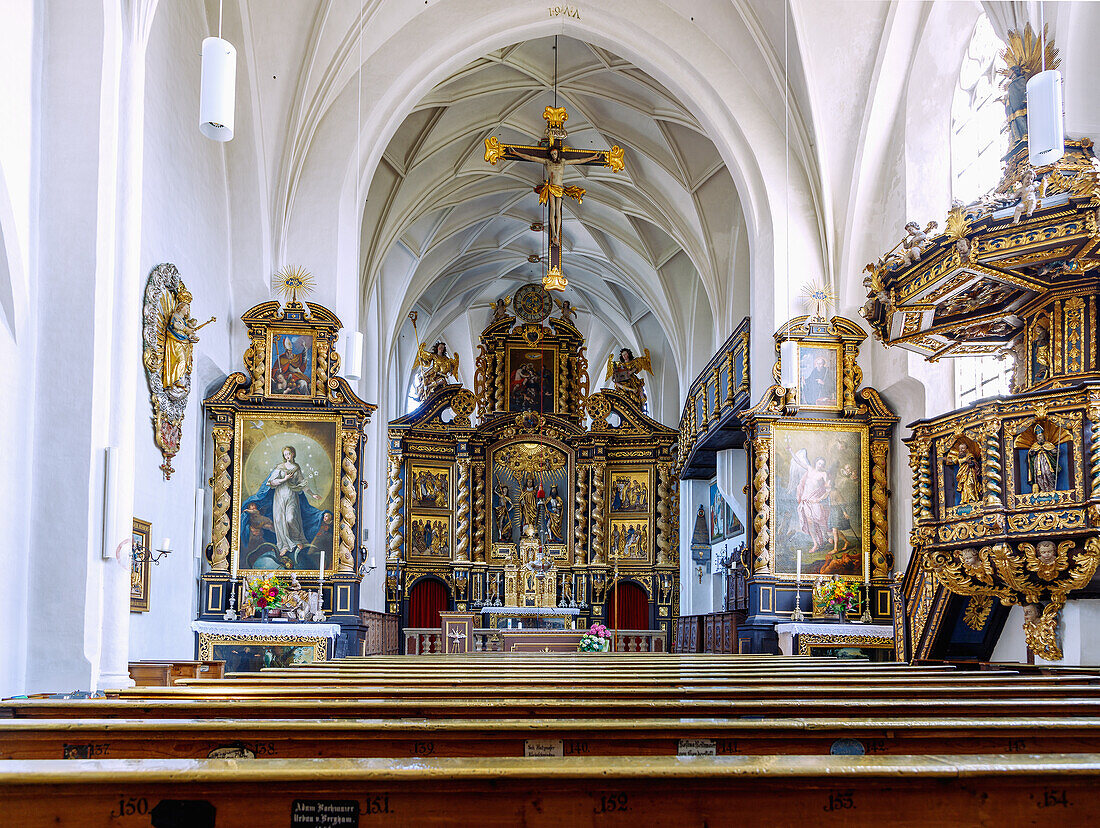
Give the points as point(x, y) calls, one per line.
point(438, 216)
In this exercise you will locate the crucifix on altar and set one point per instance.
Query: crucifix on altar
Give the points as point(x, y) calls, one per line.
point(555, 156)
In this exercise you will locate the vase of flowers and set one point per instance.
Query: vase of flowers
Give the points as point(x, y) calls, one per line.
point(266, 593)
point(596, 640)
point(841, 597)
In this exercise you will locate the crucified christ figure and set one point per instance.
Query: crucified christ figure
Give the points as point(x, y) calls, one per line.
point(552, 189)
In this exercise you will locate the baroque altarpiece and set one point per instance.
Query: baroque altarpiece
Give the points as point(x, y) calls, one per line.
point(548, 498)
point(287, 484)
point(1006, 505)
point(818, 470)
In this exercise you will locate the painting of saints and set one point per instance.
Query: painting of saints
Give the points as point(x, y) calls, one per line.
point(716, 504)
point(819, 501)
point(818, 373)
point(502, 514)
point(555, 511)
point(292, 365)
point(279, 524)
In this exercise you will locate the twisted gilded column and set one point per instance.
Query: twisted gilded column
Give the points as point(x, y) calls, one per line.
point(663, 528)
point(880, 544)
point(580, 518)
point(993, 472)
point(393, 511)
point(1094, 449)
point(598, 529)
point(462, 513)
point(761, 549)
point(921, 464)
point(219, 561)
point(501, 388)
point(479, 511)
point(345, 555)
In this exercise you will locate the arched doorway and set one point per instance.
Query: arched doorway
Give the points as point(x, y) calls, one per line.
point(628, 605)
point(428, 598)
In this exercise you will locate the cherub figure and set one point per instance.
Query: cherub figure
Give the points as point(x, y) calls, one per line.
point(625, 372)
point(436, 366)
point(500, 309)
point(566, 308)
point(1031, 192)
point(914, 243)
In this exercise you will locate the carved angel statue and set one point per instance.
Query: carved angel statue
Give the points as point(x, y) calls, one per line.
point(566, 308)
point(1031, 193)
point(500, 309)
point(176, 337)
point(967, 474)
point(626, 370)
point(435, 367)
point(914, 243)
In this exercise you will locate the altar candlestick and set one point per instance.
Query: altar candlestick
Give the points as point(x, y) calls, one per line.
point(798, 565)
point(321, 569)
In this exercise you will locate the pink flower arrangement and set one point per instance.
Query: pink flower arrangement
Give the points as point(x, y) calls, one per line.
point(596, 640)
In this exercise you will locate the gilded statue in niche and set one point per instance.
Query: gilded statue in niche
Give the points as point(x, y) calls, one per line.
point(435, 367)
point(168, 342)
point(967, 473)
point(1042, 463)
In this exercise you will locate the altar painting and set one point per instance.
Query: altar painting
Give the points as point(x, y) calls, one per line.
point(630, 491)
point(429, 487)
point(530, 485)
point(291, 369)
point(629, 539)
point(532, 379)
point(819, 379)
point(430, 536)
point(285, 492)
point(249, 658)
point(717, 516)
point(734, 527)
point(819, 481)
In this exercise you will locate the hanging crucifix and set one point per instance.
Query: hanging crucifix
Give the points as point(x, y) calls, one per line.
point(555, 157)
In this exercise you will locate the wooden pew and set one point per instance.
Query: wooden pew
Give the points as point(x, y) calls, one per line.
point(365, 738)
point(629, 791)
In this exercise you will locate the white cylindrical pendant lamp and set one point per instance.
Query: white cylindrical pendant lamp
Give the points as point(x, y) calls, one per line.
point(1046, 132)
point(353, 356)
point(788, 363)
point(219, 83)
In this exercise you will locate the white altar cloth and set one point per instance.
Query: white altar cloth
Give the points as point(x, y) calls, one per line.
point(788, 631)
point(272, 629)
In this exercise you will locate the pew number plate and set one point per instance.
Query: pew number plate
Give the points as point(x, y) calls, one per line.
point(326, 813)
point(697, 747)
point(543, 747)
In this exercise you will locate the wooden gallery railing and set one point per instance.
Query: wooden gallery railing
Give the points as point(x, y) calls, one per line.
point(429, 641)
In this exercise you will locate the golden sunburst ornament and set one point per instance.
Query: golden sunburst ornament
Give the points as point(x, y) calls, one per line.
point(292, 280)
point(817, 297)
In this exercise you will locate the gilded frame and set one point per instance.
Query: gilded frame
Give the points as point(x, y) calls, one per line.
point(509, 348)
point(274, 332)
point(207, 642)
point(139, 570)
point(782, 427)
point(838, 373)
point(290, 417)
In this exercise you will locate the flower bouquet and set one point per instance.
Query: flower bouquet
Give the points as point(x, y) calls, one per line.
point(841, 597)
point(596, 640)
point(266, 593)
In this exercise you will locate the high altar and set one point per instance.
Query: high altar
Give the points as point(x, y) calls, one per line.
point(551, 501)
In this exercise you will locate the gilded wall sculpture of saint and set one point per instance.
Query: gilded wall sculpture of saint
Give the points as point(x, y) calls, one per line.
point(435, 367)
point(626, 372)
point(168, 343)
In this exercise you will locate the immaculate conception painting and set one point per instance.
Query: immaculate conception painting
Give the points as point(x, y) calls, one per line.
point(818, 480)
point(288, 500)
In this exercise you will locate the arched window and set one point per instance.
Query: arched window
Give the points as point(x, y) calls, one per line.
point(978, 139)
point(412, 400)
point(978, 143)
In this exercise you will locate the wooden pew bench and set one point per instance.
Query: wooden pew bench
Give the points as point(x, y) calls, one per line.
point(333, 738)
point(613, 791)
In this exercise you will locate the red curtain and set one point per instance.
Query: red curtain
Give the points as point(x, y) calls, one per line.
point(629, 608)
point(427, 599)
